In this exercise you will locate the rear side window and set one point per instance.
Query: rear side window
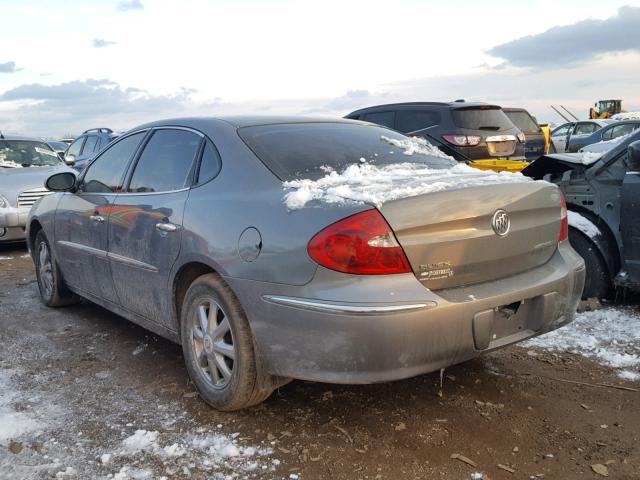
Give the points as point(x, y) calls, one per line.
point(385, 119)
point(481, 118)
point(308, 150)
point(210, 163)
point(166, 161)
point(414, 120)
point(75, 147)
point(523, 121)
point(90, 145)
point(106, 173)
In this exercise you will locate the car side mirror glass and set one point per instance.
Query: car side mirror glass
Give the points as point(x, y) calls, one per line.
point(633, 157)
point(61, 182)
point(70, 159)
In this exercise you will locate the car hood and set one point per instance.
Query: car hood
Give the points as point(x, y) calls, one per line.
point(15, 180)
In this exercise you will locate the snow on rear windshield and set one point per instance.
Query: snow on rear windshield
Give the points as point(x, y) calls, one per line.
point(362, 182)
point(308, 150)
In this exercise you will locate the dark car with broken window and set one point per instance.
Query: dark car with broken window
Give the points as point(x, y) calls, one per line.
point(230, 237)
point(466, 131)
point(602, 189)
point(534, 145)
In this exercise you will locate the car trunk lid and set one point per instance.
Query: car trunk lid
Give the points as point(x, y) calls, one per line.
point(450, 236)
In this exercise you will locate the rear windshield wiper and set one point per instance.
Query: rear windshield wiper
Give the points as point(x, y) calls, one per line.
point(488, 128)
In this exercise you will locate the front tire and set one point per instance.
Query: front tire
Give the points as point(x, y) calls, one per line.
point(53, 291)
point(597, 282)
point(218, 346)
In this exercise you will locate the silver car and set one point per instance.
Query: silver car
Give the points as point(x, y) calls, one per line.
point(25, 164)
point(236, 238)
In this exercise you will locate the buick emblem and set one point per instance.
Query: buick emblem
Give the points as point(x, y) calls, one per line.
point(501, 223)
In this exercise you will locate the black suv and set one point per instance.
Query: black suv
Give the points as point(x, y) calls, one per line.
point(466, 131)
point(87, 145)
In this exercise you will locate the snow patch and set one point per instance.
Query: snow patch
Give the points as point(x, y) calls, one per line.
point(412, 145)
point(140, 440)
point(13, 423)
point(626, 116)
point(583, 224)
point(609, 336)
point(366, 183)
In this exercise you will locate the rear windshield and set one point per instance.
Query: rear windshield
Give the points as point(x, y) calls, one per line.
point(523, 121)
point(308, 150)
point(482, 118)
point(25, 153)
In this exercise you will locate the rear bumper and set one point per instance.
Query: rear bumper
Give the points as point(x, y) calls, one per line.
point(349, 329)
point(13, 217)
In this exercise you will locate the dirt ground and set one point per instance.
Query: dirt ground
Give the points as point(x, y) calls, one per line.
point(79, 381)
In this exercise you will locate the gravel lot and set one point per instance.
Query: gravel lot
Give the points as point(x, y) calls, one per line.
point(85, 394)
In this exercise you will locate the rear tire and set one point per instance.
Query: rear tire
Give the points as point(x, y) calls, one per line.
point(218, 346)
point(597, 282)
point(53, 291)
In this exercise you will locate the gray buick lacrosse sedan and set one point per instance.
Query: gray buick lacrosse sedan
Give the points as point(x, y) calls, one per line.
point(325, 250)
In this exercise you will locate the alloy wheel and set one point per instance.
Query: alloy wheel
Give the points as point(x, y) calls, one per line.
point(213, 344)
point(45, 269)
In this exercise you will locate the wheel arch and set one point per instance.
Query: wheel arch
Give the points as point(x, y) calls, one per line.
point(33, 228)
point(605, 242)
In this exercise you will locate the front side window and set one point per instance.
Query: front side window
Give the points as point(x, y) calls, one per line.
point(606, 135)
point(585, 128)
point(414, 120)
point(166, 161)
point(75, 147)
point(561, 131)
point(90, 145)
point(105, 174)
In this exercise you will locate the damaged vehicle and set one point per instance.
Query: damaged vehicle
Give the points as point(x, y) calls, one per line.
point(601, 185)
point(326, 250)
point(25, 164)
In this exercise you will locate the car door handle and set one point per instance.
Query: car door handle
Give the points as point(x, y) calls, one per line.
point(97, 218)
point(167, 227)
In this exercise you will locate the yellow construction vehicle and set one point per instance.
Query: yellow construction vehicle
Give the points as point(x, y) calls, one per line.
point(605, 108)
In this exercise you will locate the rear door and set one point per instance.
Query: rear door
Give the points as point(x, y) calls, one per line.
point(81, 220)
point(630, 224)
point(145, 224)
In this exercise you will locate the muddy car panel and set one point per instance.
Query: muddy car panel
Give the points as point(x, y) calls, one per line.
point(308, 321)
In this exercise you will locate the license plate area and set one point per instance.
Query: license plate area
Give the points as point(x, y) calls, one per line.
point(501, 149)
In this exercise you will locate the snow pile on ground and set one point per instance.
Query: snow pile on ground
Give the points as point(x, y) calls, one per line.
point(609, 336)
point(583, 224)
point(13, 422)
point(363, 182)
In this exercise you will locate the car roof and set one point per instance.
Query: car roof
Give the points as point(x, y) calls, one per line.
point(453, 105)
point(240, 121)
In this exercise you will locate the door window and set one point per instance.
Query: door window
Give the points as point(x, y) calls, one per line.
point(562, 131)
point(606, 135)
point(75, 147)
point(381, 118)
point(620, 130)
point(414, 120)
point(166, 161)
point(105, 174)
point(585, 128)
point(90, 145)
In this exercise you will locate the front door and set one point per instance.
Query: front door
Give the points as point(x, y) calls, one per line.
point(81, 221)
point(630, 224)
point(145, 223)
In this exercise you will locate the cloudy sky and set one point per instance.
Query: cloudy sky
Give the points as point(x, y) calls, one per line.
point(68, 65)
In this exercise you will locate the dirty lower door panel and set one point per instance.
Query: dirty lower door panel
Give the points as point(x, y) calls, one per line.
point(144, 241)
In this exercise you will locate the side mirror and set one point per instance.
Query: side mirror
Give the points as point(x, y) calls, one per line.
point(633, 157)
point(70, 160)
point(61, 182)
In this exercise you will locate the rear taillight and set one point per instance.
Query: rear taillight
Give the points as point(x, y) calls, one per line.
point(362, 244)
point(564, 220)
point(463, 140)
